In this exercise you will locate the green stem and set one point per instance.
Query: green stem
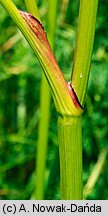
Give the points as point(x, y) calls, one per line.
point(42, 138)
point(51, 21)
point(32, 8)
point(95, 174)
point(66, 101)
point(45, 110)
point(70, 144)
point(43, 124)
point(84, 47)
point(33, 31)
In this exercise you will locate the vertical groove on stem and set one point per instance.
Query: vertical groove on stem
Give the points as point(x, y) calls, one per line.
point(70, 147)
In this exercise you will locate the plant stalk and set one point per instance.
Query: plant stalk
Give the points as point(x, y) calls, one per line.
point(42, 138)
point(34, 33)
point(95, 174)
point(43, 123)
point(45, 109)
point(32, 8)
point(84, 47)
point(65, 96)
point(70, 150)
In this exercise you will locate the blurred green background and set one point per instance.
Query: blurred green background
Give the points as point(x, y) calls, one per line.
point(20, 81)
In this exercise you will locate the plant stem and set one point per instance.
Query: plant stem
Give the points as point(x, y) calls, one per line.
point(45, 110)
point(51, 20)
point(32, 8)
point(95, 174)
point(70, 147)
point(42, 139)
point(84, 47)
point(43, 124)
point(65, 97)
point(34, 33)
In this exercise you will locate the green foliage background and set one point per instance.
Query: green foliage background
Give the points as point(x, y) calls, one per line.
point(20, 81)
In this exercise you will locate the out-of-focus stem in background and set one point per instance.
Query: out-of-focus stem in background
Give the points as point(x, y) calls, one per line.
point(32, 8)
point(45, 97)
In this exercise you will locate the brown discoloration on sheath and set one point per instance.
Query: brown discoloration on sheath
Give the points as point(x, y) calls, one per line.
point(39, 32)
point(35, 26)
point(74, 96)
point(45, 50)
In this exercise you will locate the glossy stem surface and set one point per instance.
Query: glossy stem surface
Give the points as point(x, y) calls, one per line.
point(70, 149)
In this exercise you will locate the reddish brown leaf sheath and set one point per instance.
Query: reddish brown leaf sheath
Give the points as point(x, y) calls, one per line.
point(65, 99)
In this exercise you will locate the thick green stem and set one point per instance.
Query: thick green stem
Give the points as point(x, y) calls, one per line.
point(84, 47)
point(70, 147)
point(65, 97)
point(32, 8)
